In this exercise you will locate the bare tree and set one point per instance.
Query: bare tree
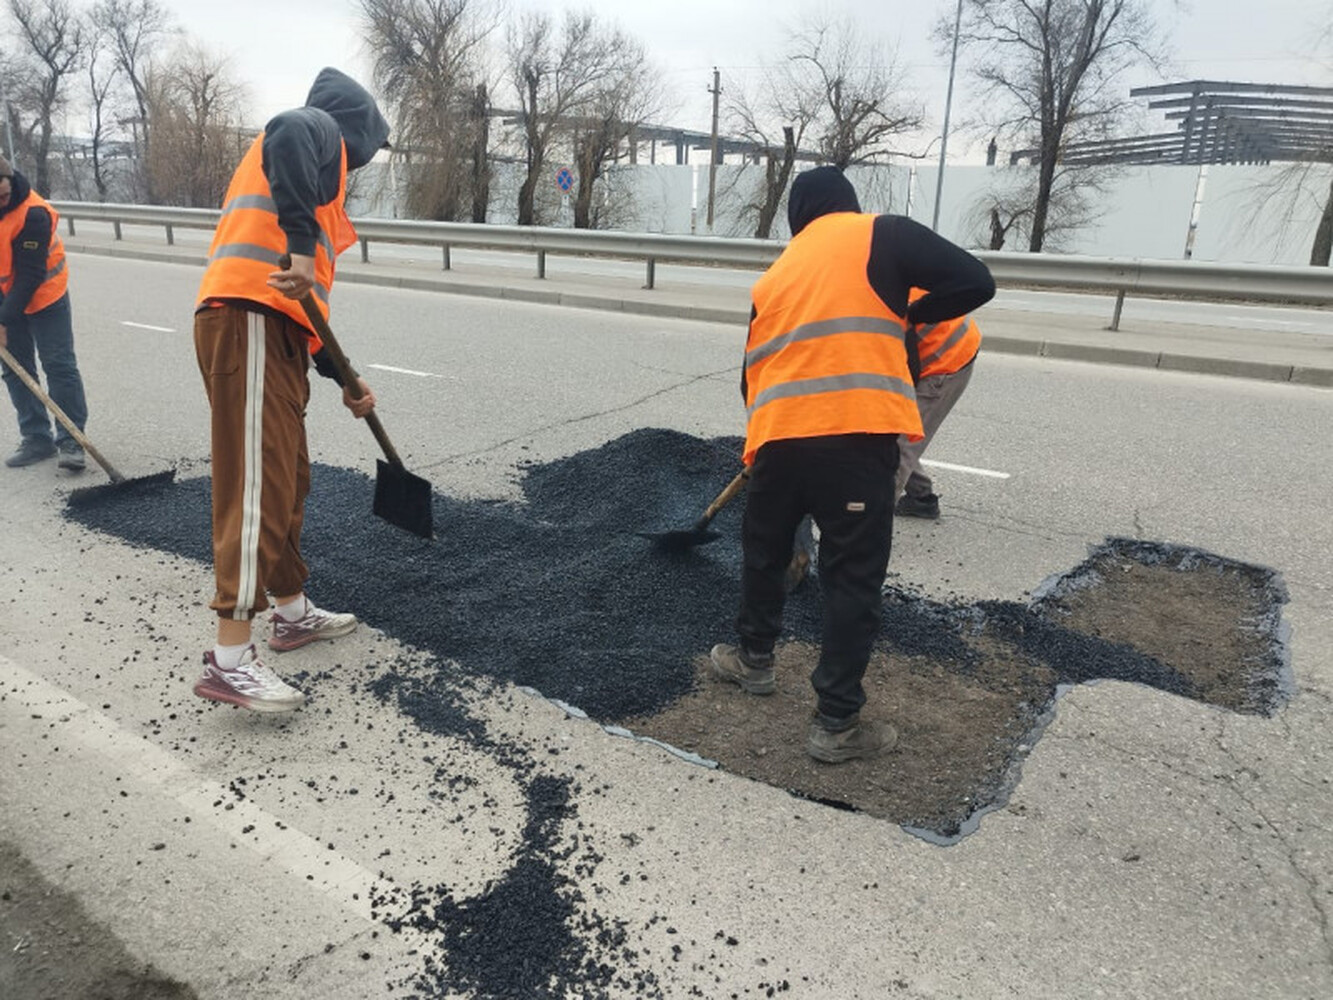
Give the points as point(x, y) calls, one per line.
point(1050, 68)
point(134, 30)
point(52, 40)
point(102, 74)
point(429, 63)
point(857, 85)
point(556, 74)
point(624, 99)
point(196, 108)
point(774, 113)
point(1007, 207)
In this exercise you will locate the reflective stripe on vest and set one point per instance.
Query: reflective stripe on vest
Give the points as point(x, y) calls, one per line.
point(947, 346)
point(55, 282)
point(825, 355)
point(248, 243)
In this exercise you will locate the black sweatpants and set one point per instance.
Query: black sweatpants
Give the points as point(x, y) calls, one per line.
point(846, 484)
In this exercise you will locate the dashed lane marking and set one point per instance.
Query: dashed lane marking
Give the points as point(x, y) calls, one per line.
point(989, 473)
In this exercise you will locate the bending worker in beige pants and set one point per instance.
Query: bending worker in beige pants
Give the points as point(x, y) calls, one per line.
point(947, 351)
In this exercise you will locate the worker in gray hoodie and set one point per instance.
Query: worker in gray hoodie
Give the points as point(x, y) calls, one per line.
point(254, 345)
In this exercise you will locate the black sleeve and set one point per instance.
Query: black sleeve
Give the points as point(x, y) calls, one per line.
point(30, 249)
point(324, 365)
point(905, 254)
point(745, 389)
point(302, 156)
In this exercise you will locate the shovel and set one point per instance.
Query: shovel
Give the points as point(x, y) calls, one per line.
point(90, 493)
point(402, 499)
point(698, 533)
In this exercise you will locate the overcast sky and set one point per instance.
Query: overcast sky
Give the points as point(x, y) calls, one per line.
point(277, 48)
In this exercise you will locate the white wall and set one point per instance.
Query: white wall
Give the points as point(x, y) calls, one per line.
point(1248, 214)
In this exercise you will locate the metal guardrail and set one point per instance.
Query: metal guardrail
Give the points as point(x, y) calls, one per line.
point(1121, 277)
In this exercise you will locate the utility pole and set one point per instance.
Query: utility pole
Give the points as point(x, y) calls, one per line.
point(948, 105)
point(716, 91)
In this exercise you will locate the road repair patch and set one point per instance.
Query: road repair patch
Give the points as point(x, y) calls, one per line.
point(561, 594)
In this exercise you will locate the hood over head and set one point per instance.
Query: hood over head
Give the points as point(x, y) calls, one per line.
point(817, 192)
point(363, 128)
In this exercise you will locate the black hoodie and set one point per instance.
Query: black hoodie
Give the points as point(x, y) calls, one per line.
point(303, 153)
point(903, 254)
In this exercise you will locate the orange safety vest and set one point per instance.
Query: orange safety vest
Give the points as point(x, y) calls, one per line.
point(248, 242)
point(57, 278)
point(825, 355)
point(948, 346)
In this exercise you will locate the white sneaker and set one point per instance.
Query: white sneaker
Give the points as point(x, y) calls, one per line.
point(316, 623)
point(250, 685)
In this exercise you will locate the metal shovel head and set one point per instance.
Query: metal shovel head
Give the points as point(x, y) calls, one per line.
point(679, 541)
point(402, 499)
point(87, 496)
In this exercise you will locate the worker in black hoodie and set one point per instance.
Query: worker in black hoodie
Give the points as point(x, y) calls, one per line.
point(828, 383)
point(36, 322)
point(254, 343)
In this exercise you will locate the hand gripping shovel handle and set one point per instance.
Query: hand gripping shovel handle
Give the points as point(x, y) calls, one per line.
point(59, 414)
point(346, 373)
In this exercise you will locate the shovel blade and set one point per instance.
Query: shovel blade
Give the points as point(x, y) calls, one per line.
point(679, 541)
point(402, 499)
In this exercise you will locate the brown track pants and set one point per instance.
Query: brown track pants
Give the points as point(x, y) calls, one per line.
point(255, 370)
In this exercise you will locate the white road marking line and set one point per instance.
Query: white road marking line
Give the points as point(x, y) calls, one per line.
point(409, 371)
point(989, 473)
point(146, 326)
point(332, 873)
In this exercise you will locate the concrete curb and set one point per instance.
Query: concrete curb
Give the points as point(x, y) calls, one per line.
point(1198, 364)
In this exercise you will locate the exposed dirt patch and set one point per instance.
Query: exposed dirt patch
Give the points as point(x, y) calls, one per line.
point(51, 950)
point(968, 709)
point(1211, 619)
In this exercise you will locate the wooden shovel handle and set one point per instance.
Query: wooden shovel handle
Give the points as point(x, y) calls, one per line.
point(346, 373)
point(59, 414)
point(725, 497)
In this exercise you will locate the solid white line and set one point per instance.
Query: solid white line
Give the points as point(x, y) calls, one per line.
point(145, 326)
point(990, 473)
point(408, 371)
point(329, 872)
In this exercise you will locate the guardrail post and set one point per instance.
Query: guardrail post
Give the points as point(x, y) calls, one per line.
point(69, 221)
point(365, 251)
point(652, 272)
point(448, 261)
point(171, 235)
point(1119, 305)
point(541, 263)
point(115, 226)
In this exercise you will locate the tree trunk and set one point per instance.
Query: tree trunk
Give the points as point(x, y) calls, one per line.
point(775, 183)
point(481, 172)
point(1045, 182)
point(1323, 234)
point(536, 154)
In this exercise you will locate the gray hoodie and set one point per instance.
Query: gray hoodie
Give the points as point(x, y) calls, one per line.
point(302, 151)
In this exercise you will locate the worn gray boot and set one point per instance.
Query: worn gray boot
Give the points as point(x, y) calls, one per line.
point(32, 450)
point(733, 664)
point(852, 740)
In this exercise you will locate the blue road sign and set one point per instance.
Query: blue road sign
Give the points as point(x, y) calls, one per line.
point(564, 179)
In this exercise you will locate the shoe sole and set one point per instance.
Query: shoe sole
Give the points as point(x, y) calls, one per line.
point(230, 697)
point(287, 645)
point(72, 465)
point(918, 515)
point(750, 687)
